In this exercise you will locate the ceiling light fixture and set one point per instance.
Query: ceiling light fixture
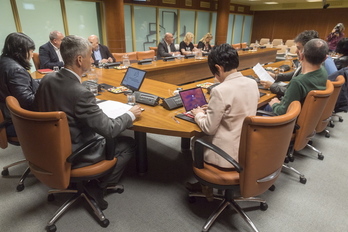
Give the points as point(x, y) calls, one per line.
point(271, 3)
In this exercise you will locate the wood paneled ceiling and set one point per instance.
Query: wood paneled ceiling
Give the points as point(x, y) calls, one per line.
point(261, 5)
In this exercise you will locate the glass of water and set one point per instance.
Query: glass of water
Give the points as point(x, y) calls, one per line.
point(131, 99)
point(55, 68)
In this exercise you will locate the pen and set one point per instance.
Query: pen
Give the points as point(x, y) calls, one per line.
point(175, 120)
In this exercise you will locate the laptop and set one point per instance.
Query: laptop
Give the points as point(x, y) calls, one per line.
point(191, 98)
point(132, 81)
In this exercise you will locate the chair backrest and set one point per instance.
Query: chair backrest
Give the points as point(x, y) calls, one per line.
point(36, 60)
point(326, 115)
point(264, 41)
point(290, 43)
point(3, 135)
point(45, 142)
point(131, 56)
point(277, 42)
point(263, 146)
point(292, 51)
point(312, 109)
point(145, 55)
point(281, 49)
point(236, 46)
point(244, 45)
point(155, 49)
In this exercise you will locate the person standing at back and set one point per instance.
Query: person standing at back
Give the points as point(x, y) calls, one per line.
point(49, 53)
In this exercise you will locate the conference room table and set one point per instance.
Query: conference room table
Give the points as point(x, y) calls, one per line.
point(181, 71)
point(156, 119)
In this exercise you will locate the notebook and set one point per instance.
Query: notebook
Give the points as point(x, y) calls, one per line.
point(191, 98)
point(132, 80)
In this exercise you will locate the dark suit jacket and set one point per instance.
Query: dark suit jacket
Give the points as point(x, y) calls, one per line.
point(105, 54)
point(162, 50)
point(62, 91)
point(48, 57)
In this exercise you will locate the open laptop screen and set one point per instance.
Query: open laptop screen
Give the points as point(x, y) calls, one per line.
point(133, 78)
point(192, 98)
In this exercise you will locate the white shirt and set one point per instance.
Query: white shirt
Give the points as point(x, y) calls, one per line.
point(58, 53)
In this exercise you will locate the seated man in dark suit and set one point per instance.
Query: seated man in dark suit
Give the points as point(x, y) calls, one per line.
point(63, 91)
point(166, 47)
point(100, 53)
point(49, 53)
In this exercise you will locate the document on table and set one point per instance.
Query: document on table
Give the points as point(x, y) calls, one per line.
point(262, 73)
point(113, 109)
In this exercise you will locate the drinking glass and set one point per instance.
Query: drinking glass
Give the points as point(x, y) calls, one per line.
point(55, 68)
point(131, 99)
point(93, 88)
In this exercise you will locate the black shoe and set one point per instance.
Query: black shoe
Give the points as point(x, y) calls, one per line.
point(97, 194)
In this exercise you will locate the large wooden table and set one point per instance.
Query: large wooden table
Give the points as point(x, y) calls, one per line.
point(156, 119)
point(182, 71)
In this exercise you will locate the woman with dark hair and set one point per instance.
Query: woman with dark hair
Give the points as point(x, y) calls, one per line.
point(15, 80)
point(342, 51)
point(335, 36)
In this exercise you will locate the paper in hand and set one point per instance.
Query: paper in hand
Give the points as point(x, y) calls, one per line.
point(262, 73)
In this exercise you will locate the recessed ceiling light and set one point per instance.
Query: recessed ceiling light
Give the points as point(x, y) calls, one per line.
point(271, 3)
point(313, 0)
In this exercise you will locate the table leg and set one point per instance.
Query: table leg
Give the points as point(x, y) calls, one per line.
point(185, 144)
point(141, 152)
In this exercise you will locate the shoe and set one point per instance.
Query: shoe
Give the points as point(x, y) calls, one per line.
point(195, 187)
point(97, 194)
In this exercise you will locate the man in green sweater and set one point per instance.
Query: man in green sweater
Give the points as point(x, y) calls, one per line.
point(313, 76)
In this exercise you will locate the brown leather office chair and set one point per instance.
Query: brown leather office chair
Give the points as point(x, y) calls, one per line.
point(46, 144)
point(4, 141)
point(155, 49)
point(326, 116)
point(277, 42)
point(236, 46)
point(145, 55)
point(312, 109)
point(263, 145)
point(290, 43)
point(36, 60)
point(132, 56)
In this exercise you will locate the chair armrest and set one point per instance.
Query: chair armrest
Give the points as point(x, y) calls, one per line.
point(199, 159)
point(263, 112)
point(81, 149)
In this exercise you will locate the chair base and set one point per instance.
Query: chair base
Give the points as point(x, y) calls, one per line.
point(103, 221)
point(228, 201)
point(20, 185)
point(303, 179)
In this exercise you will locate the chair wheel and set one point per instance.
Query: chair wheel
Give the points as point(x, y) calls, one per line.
point(340, 119)
point(272, 188)
point(331, 124)
point(191, 200)
point(50, 197)
point(105, 223)
point(20, 187)
point(51, 228)
point(263, 206)
point(321, 157)
point(310, 142)
point(286, 160)
point(303, 180)
point(327, 135)
point(291, 159)
point(5, 172)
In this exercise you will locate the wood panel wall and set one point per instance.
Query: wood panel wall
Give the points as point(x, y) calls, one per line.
point(286, 24)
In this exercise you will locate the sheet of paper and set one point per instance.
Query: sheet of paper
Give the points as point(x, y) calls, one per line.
point(113, 109)
point(262, 73)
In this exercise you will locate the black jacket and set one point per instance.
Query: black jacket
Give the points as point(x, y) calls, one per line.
point(341, 62)
point(48, 57)
point(16, 81)
point(105, 54)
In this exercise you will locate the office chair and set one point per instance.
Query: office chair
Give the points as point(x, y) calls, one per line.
point(4, 141)
point(290, 43)
point(46, 144)
point(264, 41)
point(36, 60)
point(325, 118)
point(277, 42)
point(155, 49)
point(145, 55)
point(263, 145)
point(132, 56)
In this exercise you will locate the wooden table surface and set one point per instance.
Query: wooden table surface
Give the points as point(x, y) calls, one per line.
point(187, 70)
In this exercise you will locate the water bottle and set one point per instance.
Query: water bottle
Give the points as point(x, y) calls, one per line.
point(125, 60)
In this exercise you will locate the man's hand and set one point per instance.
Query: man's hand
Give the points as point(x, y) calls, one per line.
point(273, 101)
point(197, 110)
point(110, 60)
point(266, 84)
point(104, 61)
point(271, 74)
point(136, 110)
